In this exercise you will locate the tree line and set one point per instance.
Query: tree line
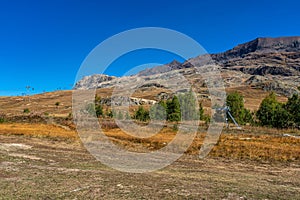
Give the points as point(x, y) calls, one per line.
point(181, 107)
point(184, 106)
point(271, 112)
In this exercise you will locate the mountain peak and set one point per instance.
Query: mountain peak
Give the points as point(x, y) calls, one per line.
point(262, 45)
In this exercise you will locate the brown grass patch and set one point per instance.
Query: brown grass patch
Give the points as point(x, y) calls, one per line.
point(252, 143)
point(37, 130)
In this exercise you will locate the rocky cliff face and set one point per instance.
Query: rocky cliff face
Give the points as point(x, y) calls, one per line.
point(94, 81)
point(266, 63)
point(262, 56)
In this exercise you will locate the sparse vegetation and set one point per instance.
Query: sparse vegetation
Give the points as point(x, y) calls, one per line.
point(57, 104)
point(99, 110)
point(141, 114)
point(90, 109)
point(2, 118)
point(26, 111)
point(46, 113)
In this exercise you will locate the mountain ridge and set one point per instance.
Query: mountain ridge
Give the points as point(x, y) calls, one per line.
point(268, 63)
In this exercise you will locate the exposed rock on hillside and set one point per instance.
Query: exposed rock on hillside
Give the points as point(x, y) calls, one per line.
point(265, 63)
point(94, 81)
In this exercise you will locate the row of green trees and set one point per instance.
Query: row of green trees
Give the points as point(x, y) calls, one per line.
point(183, 106)
point(271, 112)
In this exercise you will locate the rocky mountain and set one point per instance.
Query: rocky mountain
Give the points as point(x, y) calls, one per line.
point(264, 63)
point(275, 56)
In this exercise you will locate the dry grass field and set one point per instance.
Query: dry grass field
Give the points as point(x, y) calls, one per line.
point(45, 103)
point(45, 159)
point(49, 162)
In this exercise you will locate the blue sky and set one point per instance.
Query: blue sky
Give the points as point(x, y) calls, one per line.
point(43, 43)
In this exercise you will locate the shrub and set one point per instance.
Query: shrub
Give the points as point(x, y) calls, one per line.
point(141, 114)
point(109, 113)
point(175, 127)
point(127, 116)
point(2, 118)
point(26, 110)
point(90, 109)
point(99, 110)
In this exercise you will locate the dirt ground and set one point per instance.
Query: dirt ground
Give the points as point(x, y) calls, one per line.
point(45, 168)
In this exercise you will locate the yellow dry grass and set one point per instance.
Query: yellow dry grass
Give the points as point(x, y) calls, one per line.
point(250, 143)
point(37, 130)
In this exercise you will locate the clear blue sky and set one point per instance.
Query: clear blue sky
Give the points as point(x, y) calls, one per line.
point(44, 42)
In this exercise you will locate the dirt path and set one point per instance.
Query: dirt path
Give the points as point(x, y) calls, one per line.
point(33, 168)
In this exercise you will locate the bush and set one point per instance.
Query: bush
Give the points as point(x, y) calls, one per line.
point(127, 116)
point(141, 114)
point(26, 110)
point(2, 118)
point(90, 109)
point(99, 110)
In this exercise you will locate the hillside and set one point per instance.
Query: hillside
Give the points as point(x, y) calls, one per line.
point(253, 68)
point(264, 63)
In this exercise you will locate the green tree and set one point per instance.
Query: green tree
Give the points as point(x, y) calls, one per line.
point(109, 113)
point(57, 104)
point(158, 111)
point(293, 107)
point(173, 110)
point(90, 109)
point(99, 110)
point(120, 115)
point(127, 116)
point(188, 104)
point(235, 101)
point(282, 118)
point(141, 114)
point(272, 113)
point(201, 112)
